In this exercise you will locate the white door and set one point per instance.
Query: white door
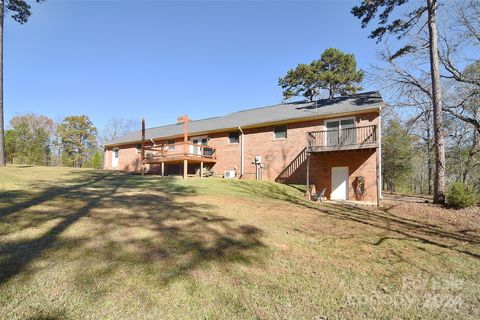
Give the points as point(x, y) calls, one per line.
point(339, 183)
point(115, 158)
point(197, 141)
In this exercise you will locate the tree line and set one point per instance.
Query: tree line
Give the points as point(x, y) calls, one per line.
point(38, 140)
point(407, 160)
point(74, 142)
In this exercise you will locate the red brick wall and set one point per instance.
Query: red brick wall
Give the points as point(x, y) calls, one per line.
point(359, 163)
point(276, 155)
point(228, 155)
point(128, 158)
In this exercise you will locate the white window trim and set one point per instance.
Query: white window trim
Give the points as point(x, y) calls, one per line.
point(340, 119)
point(170, 146)
point(339, 125)
point(228, 138)
point(199, 138)
point(286, 132)
point(191, 147)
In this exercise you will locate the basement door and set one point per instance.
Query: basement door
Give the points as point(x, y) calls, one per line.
point(115, 157)
point(339, 183)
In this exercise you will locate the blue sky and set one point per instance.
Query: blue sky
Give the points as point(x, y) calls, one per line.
point(160, 59)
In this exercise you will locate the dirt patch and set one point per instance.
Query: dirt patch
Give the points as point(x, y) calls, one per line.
point(421, 209)
point(407, 198)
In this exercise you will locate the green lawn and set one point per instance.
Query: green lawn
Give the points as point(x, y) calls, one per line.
point(86, 244)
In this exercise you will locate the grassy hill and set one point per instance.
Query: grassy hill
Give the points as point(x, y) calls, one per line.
point(89, 244)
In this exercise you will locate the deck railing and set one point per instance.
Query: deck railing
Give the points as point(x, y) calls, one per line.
point(338, 138)
point(178, 149)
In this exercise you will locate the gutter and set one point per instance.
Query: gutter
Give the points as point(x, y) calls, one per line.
point(242, 148)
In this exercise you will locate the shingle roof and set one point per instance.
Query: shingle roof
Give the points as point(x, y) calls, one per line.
point(256, 116)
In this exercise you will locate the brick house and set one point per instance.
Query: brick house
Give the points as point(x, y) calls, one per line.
point(331, 143)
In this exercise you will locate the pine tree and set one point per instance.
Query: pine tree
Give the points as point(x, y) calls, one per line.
point(335, 72)
point(97, 160)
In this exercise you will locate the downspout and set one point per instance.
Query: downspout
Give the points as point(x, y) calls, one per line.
point(242, 146)
point(380, 152)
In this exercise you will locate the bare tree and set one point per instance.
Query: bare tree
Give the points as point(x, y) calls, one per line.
point(462, 69)
point(406, 81)
point(117, 127)
point(465, 151)
point(407, 78)
point(439, 141)
point(402, 27)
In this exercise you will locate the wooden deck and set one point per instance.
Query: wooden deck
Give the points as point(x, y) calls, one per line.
point(356, 138)
point(191, 158)
point(184, 152)
point(178, 152)
point(315, 149)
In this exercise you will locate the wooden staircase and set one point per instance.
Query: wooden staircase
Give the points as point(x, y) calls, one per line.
point(293, 166)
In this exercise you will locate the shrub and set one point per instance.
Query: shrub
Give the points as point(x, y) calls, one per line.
point(97, 160)
point(460, 196)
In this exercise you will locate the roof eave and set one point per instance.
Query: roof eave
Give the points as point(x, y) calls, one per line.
point(259, 125)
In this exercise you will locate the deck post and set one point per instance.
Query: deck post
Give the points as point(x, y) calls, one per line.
point(163, 169)
point(143, 139)
point(379, 150)
point(308, 177)
point(377, 177)
point(242, 152)
point(185, 168)
point(201, 169)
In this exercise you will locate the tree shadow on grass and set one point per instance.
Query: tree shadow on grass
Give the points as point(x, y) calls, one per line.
point(117, 221)
point(400, 228)
point(47, 194)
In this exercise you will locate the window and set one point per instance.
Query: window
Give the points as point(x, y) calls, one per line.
point(280, 132)
point(115, 153)
point(195, 147)
point(233, 138)
point(139, 147)
point(171, 144)
point(347, 123)
point(340, 132)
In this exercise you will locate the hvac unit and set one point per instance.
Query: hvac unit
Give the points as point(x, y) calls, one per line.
point(229, 174)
